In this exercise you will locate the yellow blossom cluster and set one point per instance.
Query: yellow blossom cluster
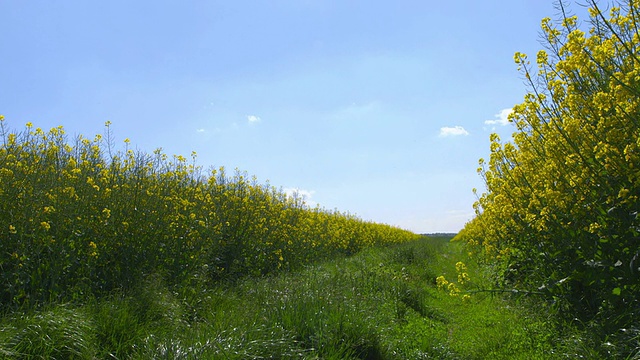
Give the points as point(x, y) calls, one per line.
point(80, 215)
point(560, 211)
point(454, 290)
point(463, 276)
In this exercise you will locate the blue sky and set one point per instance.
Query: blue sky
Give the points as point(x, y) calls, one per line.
point(378, 108)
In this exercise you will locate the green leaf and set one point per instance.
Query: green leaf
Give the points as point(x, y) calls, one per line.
point(616, 291)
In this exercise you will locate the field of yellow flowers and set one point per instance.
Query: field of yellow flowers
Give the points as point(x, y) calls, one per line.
point(78, 218)
point(560, 214)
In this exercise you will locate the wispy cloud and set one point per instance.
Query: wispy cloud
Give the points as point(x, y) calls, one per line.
point(305, 195)
point(253, 119)
point(453, 131)
point(502, 118)
point(357, 111)
point(200, 130)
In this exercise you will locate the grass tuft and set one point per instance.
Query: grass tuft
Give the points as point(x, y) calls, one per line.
point(62, 332)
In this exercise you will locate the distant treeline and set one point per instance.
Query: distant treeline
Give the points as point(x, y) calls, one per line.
point(440, 234)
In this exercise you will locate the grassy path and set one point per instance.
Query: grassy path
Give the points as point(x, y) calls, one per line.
point(379, 304)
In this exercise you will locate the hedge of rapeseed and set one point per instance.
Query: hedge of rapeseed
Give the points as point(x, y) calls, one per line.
point(560, 214)
point(78, 218)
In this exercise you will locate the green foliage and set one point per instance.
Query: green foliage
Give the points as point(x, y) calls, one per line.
point(58, 333)
point(560, 214)
point(379, 304)
point(78, 219)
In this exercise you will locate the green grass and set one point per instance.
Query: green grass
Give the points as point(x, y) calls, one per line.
point(379, 304)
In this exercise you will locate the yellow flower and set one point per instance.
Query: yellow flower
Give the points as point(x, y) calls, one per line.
point(441, 282)
point(12, 229)
point(453, 289)
point(93, 247)
point(462, 278)
point(6, 172)
point(45, 225)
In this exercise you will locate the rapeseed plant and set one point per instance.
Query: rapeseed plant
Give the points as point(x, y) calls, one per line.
point(453, 288)
point(560, 213)
point(84, 219)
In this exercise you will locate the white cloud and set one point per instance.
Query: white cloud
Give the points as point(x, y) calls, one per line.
point(305, 195)
point(253, 118)
point(502, 118)
point(453, 131)
point(357, 111)
point(200, 130)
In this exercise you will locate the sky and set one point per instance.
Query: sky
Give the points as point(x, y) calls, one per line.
point(376, 108)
